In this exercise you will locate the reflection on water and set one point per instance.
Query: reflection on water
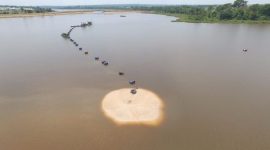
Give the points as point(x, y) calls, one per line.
point(216, 96)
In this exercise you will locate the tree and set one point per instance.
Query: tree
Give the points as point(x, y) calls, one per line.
point(265, 10)
point(226, 14)
point(240, 3)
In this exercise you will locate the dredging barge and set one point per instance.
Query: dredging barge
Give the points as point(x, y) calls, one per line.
point(82, 25)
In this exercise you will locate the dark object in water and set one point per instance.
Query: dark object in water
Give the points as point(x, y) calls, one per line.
point(65, 35)
point(105, 63)
point(245, 50)
point(133, 91)
point(123, 16)
point(85, 53)
point(89, 23)
point(120, 73)
point(96, 58)
point(132, 82)
point(80, 48)
point(76, 44)
point(71, 40)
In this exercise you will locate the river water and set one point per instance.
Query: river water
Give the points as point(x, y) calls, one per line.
point(216, 97)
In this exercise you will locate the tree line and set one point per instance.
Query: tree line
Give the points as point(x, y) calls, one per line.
point(23, 10)
point(239, 10)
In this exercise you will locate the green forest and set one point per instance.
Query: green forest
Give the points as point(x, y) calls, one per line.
point(239, 11)
point(5, 10)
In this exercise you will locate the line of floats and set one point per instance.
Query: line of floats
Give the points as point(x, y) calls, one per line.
point(96, 58)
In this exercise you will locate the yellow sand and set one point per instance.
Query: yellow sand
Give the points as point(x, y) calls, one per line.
point(122, 107)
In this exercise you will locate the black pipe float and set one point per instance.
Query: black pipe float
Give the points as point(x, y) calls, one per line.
point(245, 50)
point(80, 48)
point(86, 53)
point(105, 63)
point(132, 82)
point(120, 73)
point(96, 58)
point(133, 91)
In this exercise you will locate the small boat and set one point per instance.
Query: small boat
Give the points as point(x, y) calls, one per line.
point(132, 82)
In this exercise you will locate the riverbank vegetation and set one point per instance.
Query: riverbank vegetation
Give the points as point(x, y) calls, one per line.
point(237, 12)
point(9, 10)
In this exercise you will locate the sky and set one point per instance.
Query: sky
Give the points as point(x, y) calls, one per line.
point(98, 2)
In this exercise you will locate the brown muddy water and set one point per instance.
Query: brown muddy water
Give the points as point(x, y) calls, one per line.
point(215, 96)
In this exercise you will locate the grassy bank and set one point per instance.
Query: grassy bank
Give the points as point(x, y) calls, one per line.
point(194, 19)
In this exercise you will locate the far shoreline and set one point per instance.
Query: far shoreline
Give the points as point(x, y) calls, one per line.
point(66, 12)
point(179, 17)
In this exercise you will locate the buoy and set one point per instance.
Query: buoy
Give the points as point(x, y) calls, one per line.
point(96, 58)
point(132, 82)
point(105, 63)
point(120, 73)
point(85, 53)
point(245, 50)
point(76, 45)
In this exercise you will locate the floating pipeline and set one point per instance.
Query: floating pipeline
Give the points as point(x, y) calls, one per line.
point(105, 63)
point(67, 35)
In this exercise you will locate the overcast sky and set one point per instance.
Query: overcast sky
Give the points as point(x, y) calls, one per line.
point(94, 2)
